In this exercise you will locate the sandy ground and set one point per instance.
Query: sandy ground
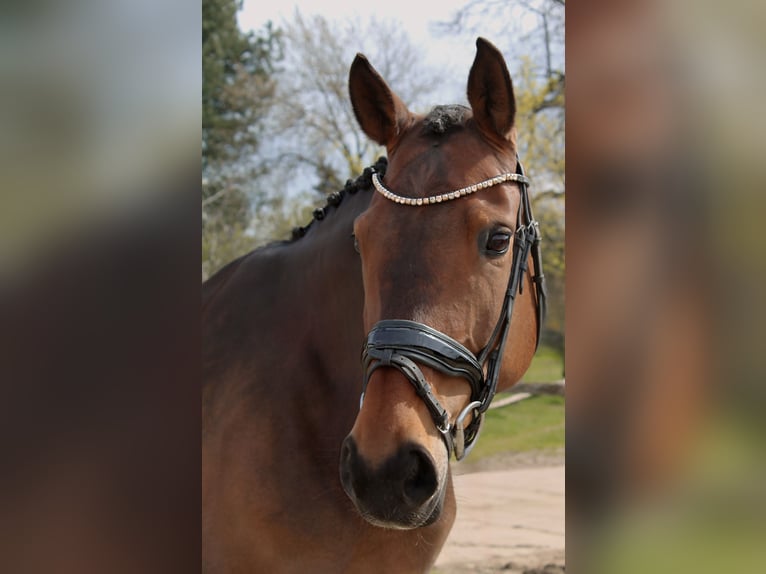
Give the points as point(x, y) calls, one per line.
point(510, 517)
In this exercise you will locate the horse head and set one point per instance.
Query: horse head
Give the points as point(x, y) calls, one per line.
point(437, 246)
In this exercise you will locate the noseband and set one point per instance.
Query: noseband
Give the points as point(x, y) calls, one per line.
point(404, 345)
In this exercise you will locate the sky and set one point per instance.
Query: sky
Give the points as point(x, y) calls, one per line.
point(453, 53)
point(415, 17)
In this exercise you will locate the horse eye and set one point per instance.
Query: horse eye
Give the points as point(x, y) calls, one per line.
point(498, 242)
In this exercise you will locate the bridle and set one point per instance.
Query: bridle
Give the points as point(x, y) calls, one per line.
point(404, 344)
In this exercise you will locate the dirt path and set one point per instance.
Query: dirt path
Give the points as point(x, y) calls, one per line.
point(509, 520)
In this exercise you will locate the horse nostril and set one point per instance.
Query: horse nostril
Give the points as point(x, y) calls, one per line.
point(353, 475)
point(345, 452)
point(345, 465)
point(420, 481)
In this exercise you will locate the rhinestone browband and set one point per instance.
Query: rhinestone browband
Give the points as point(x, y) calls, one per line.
point(498, 179)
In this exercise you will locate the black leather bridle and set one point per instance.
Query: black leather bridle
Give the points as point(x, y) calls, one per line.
point(404, 345)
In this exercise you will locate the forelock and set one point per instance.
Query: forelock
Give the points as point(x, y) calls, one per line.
point(442, 118)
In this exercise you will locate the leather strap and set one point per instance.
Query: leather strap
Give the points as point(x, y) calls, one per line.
point(424, 344)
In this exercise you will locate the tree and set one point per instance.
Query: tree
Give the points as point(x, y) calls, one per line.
point(237, 92)
point(317, 132)
point(543, 42)
point(237, 85)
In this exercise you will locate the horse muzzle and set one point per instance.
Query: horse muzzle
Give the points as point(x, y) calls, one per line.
point(403, 492)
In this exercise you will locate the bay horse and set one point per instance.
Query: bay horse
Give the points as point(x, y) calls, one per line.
point(299, 473)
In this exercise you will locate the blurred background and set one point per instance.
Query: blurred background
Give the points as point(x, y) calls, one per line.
point(99, 277)
point(665, 372)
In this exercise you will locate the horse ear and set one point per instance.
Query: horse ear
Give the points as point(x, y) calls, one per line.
point(379, 111)
point(490, 91)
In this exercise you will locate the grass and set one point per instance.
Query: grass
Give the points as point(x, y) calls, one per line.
point(547, 365)
point(534, 424)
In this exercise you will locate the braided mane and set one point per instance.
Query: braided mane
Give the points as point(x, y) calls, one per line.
point(363, 182)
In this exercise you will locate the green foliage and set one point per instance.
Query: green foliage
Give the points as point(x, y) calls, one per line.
point(237, 93)
point(224, 225)
point(547, 365)
point(540, 123)
point(236, 67)
point(533, 424)
point(550, 213)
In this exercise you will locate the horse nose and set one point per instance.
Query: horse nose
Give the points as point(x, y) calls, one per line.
point(399, 491)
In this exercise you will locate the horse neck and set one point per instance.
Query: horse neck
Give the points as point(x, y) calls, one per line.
point(332, 296)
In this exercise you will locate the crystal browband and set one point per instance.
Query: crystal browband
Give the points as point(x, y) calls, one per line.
point(498, 179)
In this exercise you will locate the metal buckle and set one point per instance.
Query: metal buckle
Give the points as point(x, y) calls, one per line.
point(459, 438)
